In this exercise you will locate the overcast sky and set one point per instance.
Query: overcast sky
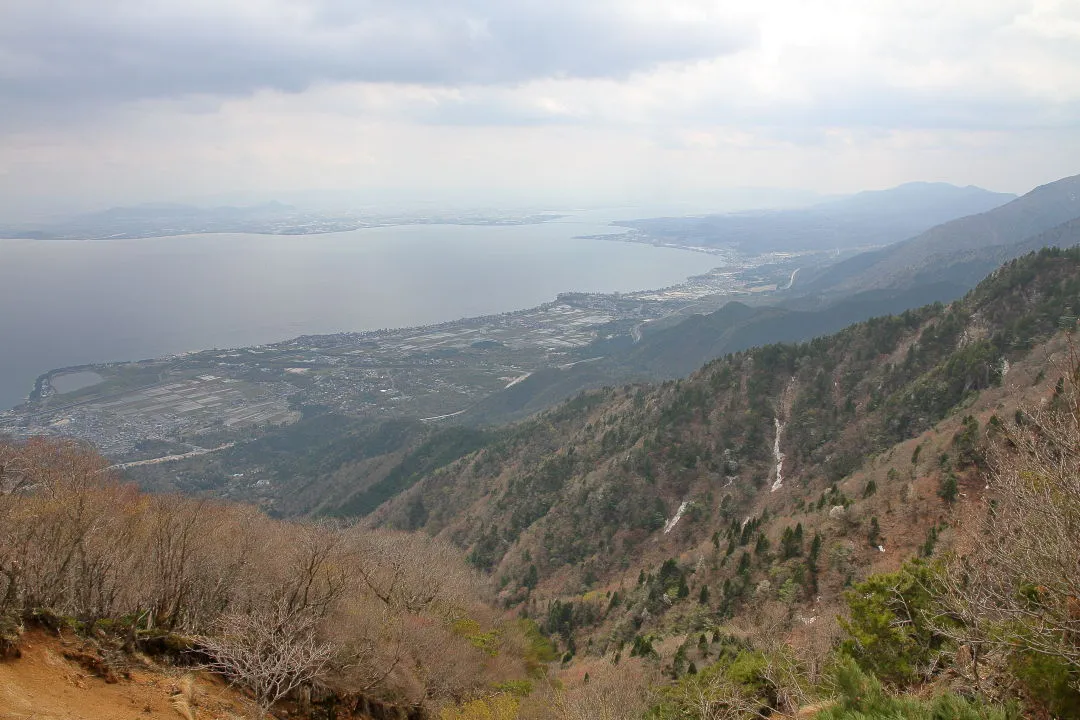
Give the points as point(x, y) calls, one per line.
point(544, 101)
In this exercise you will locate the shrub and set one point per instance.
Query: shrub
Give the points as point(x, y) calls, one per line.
point(861, 697)
point(888, 626)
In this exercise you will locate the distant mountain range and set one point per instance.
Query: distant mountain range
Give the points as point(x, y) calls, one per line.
point(959, 252)
point(938, 265)
point(867, 219)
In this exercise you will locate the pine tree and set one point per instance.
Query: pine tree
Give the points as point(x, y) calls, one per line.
point(791, 542)
point(874, 536)
point(948, 489)
point(815, 551)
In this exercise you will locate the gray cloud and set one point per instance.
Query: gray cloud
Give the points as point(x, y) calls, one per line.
point(77, 51)
point(110, 101)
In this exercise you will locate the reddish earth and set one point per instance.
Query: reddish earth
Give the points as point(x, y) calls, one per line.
point(55, 680)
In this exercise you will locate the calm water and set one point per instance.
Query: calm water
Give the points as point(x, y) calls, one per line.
point(69, 303)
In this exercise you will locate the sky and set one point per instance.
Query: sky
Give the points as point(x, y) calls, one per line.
point(489, 102)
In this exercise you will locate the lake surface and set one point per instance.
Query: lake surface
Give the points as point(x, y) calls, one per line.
point(70, 303)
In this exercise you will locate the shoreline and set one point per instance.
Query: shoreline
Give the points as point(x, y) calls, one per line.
point(43, 381)
point(295, 231)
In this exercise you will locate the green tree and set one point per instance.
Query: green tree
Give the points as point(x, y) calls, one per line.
point(948, 490)
point(888, 625)
point(873, 536)
point(791, 542)
point(861, 697)
point(531, 577)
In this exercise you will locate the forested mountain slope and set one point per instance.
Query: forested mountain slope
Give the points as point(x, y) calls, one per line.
point(592, 487)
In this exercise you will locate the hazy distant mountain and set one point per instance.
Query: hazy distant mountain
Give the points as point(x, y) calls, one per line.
point(163, 212)
point(156, 219)
point(866, 219)
point(939, 265)
point(960, 251)
point(931, 200)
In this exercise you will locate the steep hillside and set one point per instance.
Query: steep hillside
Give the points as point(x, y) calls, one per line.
point(677, 351)
point(55, 679)
point(956, 250)
point(618, 478)
point(323, 464)
point(336, 617)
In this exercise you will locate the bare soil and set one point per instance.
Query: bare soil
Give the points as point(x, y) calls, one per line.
point(61, 678)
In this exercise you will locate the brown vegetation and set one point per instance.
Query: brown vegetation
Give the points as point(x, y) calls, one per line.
point(1014, 584)
point(271, 605)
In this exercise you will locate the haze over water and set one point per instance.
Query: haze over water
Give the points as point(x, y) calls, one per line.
point(70, 303)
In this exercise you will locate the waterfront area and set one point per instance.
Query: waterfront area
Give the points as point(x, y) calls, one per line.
point(195, 401)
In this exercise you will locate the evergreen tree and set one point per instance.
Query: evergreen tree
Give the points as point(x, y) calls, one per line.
point(874, 535)
point(948, 489)
point(791, 542)
point(815, 551)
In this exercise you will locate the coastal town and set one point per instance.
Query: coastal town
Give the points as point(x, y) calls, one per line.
point(136, 411)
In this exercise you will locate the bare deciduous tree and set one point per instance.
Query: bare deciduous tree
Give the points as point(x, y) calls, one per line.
point(412, 572)
point(715, 697)
point(612, 693)
point(276, 603)
point(272, 651)
point(1015, 584)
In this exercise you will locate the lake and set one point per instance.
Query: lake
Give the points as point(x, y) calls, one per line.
point(65, 303)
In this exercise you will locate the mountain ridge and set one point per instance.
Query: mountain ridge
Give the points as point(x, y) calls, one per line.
point(1011, 224)
point(867, 219)
point(628, 443)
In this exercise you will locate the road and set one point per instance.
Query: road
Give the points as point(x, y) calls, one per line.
point(170, 458)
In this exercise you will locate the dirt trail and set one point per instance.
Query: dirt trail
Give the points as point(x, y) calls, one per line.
point(45, 685)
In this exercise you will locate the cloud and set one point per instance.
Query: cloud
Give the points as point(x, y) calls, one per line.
point(120, 50)
point(113, 100)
